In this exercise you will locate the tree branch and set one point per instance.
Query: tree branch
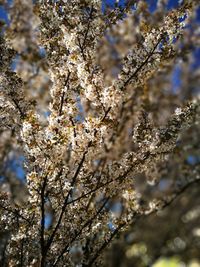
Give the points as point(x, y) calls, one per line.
point(142, 65)
point(63, 94)
point(49, 242)
point(42, 241)
point(80, 231)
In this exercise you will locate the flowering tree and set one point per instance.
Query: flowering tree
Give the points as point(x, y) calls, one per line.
point(88, 100)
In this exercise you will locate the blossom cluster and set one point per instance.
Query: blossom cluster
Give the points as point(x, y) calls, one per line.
point(91, 143)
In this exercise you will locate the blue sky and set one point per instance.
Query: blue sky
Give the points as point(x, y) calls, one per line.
point(3, 14)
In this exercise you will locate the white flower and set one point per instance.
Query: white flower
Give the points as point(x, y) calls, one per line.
point(178, 111)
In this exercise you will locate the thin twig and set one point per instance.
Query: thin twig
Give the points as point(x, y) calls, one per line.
point(63, 94)
point(42, 241)
point(22, 114)
point(106, 113)
point(142, 65)
point(105, 244)
point(65, 249)
point(14, 212)
point(51, 238)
